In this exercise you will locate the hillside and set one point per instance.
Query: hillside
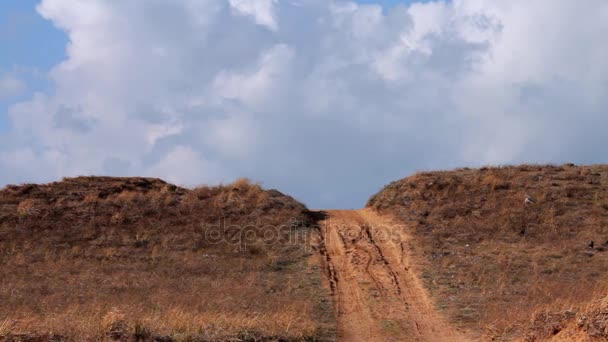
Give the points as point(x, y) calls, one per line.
point(515, 253)
point(99, 258)
point(510, 252)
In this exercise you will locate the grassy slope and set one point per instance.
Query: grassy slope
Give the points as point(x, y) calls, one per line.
point(494, 263)
point(587, 323)
point(93, 258)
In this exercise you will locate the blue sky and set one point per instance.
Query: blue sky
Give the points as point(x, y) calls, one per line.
point(29, 47)
point(27, 38)
point(203, 92)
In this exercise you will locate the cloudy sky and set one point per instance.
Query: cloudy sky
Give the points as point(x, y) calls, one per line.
point(327, 100)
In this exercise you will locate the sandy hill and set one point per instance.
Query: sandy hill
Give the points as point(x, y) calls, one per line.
point(138, 259)
point(510, 252)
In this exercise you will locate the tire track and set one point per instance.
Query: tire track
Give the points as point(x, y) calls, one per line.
point(378, 297)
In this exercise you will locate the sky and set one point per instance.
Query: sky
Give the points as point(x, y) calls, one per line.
point(327, 100)
point(29, 47)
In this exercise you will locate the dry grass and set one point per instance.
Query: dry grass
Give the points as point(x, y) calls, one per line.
point(96, 258)
point(589, 323)
point(492, 261)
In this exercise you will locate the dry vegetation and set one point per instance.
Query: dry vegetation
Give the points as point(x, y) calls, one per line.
point(137, 259)
point(500, 266)
point(590, 323)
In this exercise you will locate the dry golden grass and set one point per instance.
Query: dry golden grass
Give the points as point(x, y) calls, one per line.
point(96, 258)
point(491, 261)
point(588, 322)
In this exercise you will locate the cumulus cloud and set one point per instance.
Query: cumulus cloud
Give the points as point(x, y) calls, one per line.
point(327, 100)
point(11, 86)
point(262, 11)
point(184, 165)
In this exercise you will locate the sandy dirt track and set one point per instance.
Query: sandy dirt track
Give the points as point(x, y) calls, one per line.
point(378, 296)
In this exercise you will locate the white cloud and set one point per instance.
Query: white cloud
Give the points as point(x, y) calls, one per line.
point(262, 11)
point(184, 166)
point(259, 86)
point(327, 100)
point(11, 86)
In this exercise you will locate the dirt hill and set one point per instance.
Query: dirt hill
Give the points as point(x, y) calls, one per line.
point(99, 258)
point(510, 252)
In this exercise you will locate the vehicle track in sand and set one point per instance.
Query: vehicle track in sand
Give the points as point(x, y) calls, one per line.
point(378, 297)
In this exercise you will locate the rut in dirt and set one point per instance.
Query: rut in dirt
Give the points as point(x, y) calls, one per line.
point(378, 297)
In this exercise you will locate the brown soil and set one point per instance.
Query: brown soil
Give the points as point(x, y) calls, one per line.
point(378, 295)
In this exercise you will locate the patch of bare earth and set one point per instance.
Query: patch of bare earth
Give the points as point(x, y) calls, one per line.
point(378, 296)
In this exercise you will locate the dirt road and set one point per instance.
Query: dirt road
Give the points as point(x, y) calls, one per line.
point(378, 297)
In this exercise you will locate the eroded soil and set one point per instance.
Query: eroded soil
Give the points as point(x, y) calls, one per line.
point(377, 294)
